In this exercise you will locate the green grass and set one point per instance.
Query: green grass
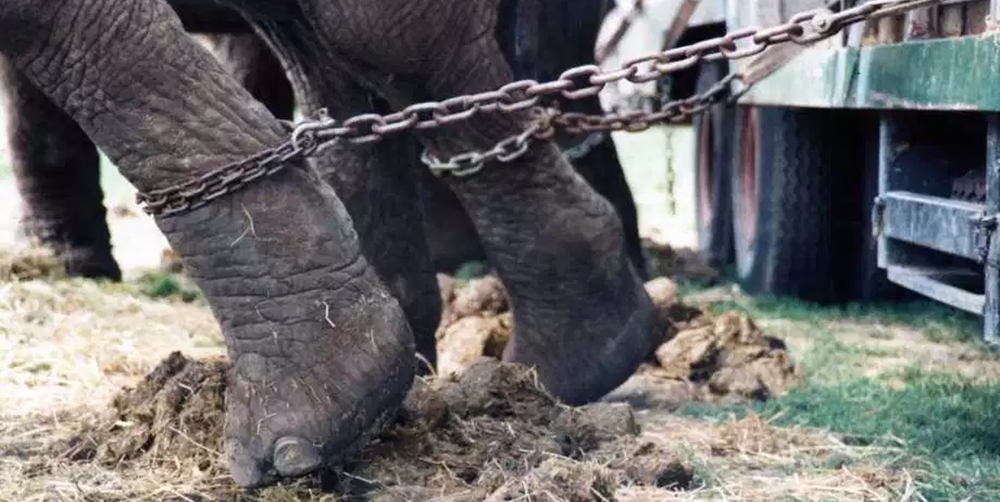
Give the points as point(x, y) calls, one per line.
point(936, 321)
point(164, 285)
point(949, 427)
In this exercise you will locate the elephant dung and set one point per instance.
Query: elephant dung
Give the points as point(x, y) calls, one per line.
point(479, 297)
point(487, 434)
point(170, 263)
point(683, 263)
point(728, 357)
point(476, 323)
point(573, 481)
point(469, 338)
point(176, 412)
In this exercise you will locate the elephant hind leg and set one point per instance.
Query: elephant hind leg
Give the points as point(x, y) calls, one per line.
point(603, 170)
point(57, 171)
point(253, 64)
point(581, 314)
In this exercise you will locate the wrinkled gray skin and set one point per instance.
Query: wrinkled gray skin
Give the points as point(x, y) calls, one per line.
point(311, 281)
point(56, 166)
point(540, 38)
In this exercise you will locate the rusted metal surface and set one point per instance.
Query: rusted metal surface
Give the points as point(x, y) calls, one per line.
point(951, 20)
point(921, 24)
point(991, 323)
point(680, 23)
point(942, 74)
point(930, 284)
point(937, 223)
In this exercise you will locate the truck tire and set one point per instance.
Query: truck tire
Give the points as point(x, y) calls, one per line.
point(713, 158)
point(782, 203)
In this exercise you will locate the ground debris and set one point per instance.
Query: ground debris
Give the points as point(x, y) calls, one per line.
point(680, 264)
point(29, 262)
point(491, 433)
point(700, 356)
point(728, 356)
point(175, 414)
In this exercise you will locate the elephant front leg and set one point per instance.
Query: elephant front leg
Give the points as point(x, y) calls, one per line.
point(320, 350)
point(57, 171)
point(581, 314)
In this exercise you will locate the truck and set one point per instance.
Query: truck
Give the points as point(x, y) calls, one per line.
point(860, 168)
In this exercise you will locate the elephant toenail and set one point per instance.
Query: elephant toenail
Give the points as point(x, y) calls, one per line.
point(295, 457)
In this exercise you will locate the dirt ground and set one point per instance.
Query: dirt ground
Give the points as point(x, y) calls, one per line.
point(112, 395)
point(480, 430)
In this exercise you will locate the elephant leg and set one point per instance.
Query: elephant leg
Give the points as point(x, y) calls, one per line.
point(451, 236)
point(254, 65)
point(581, 314)
point(57, 172)
point(378, 186)
point(602, 168)
point(320, 350)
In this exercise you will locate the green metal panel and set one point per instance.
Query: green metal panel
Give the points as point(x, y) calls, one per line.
point(945, 74)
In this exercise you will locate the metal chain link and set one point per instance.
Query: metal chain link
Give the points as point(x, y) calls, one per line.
point(583, 148)
point(469, 163)
point(312, 136)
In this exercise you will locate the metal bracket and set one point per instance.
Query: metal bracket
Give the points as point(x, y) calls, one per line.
point(985, 227)
point(877, 216)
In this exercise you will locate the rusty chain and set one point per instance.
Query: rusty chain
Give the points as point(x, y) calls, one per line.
point(313, 135)
point(469, 163)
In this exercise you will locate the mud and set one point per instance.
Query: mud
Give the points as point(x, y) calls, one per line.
point(490, 434)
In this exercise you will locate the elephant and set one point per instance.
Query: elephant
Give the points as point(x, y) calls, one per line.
point(317, 269)
point(561, 34)
point(49, 148)
point(57, 169)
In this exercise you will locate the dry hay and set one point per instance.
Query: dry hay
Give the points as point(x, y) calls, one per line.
point(751, 460)
point(69, 344)
point(701, 357)
point(29, 262)
point(491, 434)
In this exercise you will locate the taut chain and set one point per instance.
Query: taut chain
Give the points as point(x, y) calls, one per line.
point(311, 136)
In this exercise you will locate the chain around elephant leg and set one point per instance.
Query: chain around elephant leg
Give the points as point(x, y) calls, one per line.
point(581, 315)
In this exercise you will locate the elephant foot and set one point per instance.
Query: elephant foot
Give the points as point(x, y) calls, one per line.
point(582, 367)
point(91, 264)
point(292, 416)
point(581, 315)
point(587, 331)
point(83, 253)
point(321, 351)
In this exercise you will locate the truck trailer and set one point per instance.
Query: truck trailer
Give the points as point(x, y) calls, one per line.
point(859, 168)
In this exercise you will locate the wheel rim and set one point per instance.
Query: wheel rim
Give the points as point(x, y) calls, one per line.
point(748, 200)
point(705, 172)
